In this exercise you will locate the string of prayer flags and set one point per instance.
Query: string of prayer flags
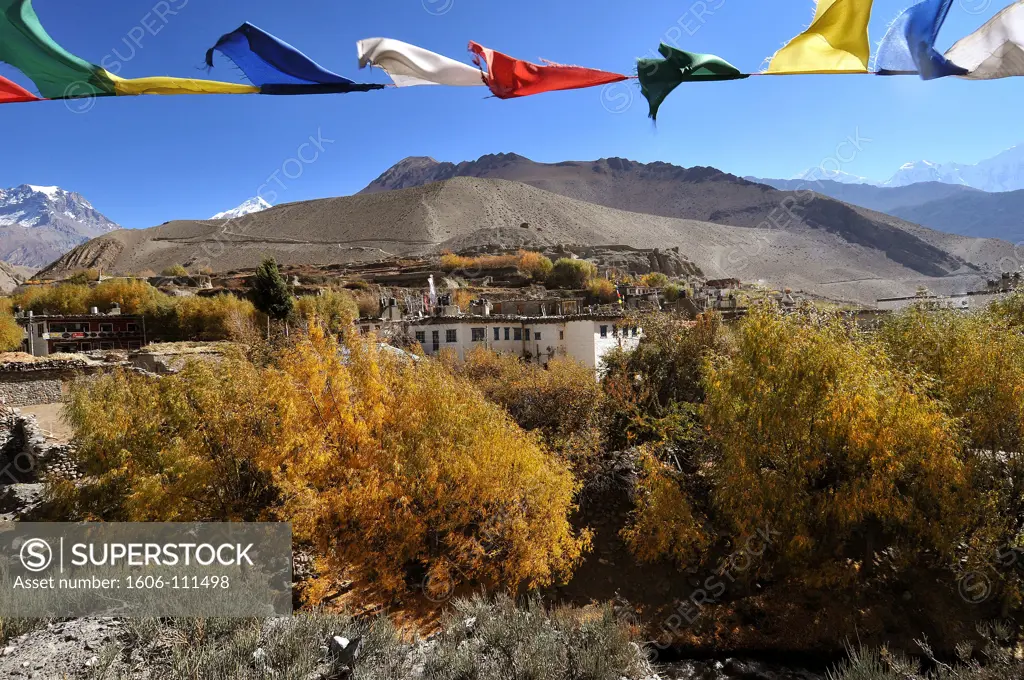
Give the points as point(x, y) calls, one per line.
point(659, 77)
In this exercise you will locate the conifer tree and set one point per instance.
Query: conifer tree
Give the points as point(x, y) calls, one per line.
point(270, 291)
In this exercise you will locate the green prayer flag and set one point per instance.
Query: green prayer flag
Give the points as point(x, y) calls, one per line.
point(658, 77)
point(25, 45)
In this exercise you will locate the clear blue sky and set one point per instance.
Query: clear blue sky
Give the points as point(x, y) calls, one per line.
point(145, 160)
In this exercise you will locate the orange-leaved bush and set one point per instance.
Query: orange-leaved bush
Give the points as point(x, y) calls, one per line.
point(397, 464)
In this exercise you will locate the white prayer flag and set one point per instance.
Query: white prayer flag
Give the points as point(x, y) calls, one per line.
point(410, 65)
point(996, 50)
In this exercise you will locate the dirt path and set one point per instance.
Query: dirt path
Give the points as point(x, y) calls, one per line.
point(49, 418)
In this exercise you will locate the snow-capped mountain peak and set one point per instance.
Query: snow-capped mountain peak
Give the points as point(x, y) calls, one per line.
point(40, 223)
point(29, 205)
point(1002, 172)
point(253, 205)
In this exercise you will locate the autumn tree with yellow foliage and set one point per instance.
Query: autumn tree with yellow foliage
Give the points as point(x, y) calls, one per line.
point(397, 462)
point(186, 447)
point(822, 439)
point(385, 465)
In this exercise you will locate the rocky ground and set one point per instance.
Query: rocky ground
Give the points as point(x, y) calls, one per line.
point(88, 649)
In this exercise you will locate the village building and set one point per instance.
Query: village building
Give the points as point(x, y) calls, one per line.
point(47, 334)
point(536, 330)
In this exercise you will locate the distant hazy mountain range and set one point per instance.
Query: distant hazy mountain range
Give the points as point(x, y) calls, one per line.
point(952, 208)
point(39, 224)
point(1002, 172)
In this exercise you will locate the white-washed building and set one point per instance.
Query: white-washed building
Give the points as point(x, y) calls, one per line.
point(585, 337)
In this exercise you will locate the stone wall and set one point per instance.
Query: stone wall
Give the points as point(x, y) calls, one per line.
point(31, 391)
point(27, 458)
point(31, 384)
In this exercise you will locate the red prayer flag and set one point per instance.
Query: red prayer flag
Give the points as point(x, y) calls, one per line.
point(508, 77)
point(12, 92)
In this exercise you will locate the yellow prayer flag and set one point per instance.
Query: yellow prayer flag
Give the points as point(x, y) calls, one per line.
point(167, 85)
point(836, 41)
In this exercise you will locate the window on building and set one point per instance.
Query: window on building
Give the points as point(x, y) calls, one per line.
point(85, 347)
point(635, 331)
point(451, 335)
point(364, 329)
point(604, 331)
point(421, 337)
point(106, 345)
point(106, 328)
point(132, 328)
point(507, 332)
point(536, 336)
point(40, 330)
point(435, 339)
point(479, 334)
point(561, 335)
point(517, 333)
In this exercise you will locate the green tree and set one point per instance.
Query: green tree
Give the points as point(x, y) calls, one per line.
point(270, 291)
point(570, 273)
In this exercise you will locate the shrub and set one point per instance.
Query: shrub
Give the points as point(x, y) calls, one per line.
point(654, 280)
point(664, 523)
point(509, 642)
point(569, 273)
point(1000, 662)
point(174, 270)
point(62, 298)
point(451, 262)
point(562, 401)
point(673, 292)
point(978, 363)
point(336, 309)
point(399, 463)
point(505, 641)
point(84, 276)
point(368, 305)
point(358, 285)
point(822, 440)
point(11, 332)
point(536, 265)
point(654, 392)
point(603, 291)
point(187, 447)
point(223, 317)
point(132, 295)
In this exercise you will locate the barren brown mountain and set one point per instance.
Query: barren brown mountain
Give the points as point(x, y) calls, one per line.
point(726, 225)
